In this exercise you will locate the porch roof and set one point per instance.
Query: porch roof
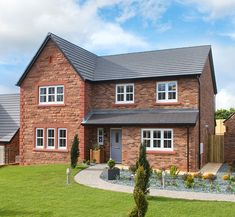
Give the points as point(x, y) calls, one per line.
point(133, 117)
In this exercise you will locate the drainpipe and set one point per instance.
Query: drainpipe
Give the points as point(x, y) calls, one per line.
point(187, 148)
point(199, 122)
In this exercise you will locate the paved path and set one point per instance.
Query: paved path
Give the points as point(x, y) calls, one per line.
point(211, 168)
point(91, 177)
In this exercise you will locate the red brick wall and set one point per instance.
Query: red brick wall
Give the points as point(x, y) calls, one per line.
point(103, 94)
point(12, 149)
point(46, 72)
point(207, 107)
point(229, 140)
point(131, 139)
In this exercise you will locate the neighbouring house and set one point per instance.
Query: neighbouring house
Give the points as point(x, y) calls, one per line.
point(165, 99)
point(229, 139)
point(9, 128)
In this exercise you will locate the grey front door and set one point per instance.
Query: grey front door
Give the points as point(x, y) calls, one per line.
point(116, 145)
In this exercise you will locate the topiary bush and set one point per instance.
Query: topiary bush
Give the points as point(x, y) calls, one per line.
point(142, 161)
point(74, 152)
point(111, 164)
point(139, 196)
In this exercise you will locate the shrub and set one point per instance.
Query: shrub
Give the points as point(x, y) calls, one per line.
point(142, 161)
point(226, 177)
point(75, 152)
point(158, 174)
point(132, 169)
point(232, 179)
point(174, 171)
point(197, 175)
point(139, 196)
point(189, 181)
point(209, 176)
point(111, 164)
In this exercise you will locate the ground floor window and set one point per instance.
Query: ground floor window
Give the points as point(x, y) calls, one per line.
point(62, 138)
point(39, 138)
point(157, 139)
point(100, 136)
point(51, 138)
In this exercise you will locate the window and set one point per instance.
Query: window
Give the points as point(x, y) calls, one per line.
point(50, 138)
point(51, 95)
point(125, 93)
point(167, 91)
point(157, 139)
point(100, 136)
point(62, 138)
point(39, 138)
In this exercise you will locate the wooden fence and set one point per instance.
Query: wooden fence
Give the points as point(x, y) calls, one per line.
point(215, 147)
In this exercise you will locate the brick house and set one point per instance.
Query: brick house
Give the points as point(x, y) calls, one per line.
point(229, 139)
point(164, 99)
point(9, 128)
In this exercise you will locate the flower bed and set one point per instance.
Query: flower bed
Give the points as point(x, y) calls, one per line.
point(199, 184)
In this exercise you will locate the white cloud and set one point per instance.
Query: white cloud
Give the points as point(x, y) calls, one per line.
point(214, 9)
point(4, 89)
point(23, 25)
point(225, 99)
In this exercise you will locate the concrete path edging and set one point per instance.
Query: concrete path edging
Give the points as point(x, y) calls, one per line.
point(91, 177)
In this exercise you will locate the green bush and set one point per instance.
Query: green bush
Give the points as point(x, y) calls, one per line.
point(139, 196)
point(189, 181)
point(142, 161)
point(174, 171)
point(75, 151)
point(111, 164)
point(132, 169)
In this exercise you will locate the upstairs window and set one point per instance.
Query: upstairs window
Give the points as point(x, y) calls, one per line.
point(51, 95)
point(125, 93)
point(167, 91)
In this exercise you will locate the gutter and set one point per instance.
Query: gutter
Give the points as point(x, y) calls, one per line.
point(199, 122)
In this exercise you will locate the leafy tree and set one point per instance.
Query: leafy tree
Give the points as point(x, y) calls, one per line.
point(75, 151)
point(142, 161)
point(139, 196)
point(224, 113)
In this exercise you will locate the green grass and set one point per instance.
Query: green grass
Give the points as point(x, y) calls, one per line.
point(41, 191)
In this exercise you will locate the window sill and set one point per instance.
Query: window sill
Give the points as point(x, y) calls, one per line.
point(168, 103)
point(124, 104)
point(51, 150)
point(51, 105)
point(160, 152)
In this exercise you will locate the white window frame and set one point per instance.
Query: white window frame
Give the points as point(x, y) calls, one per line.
point(167, 92)
point(47, 95)
point(100, 136)
point(51, 147)
point(125, 93)
point(36, 142)
point(151, 148)
point(60, 147)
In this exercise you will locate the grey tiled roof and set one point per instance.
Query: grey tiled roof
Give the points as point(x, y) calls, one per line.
point(131, 117)
point(159, 63)
point(9, 116)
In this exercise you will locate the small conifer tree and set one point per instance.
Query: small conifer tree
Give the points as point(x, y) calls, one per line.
point(142, 161)
point(139, 196)
point(75, 152)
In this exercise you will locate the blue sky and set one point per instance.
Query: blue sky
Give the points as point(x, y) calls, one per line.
point(117, 26)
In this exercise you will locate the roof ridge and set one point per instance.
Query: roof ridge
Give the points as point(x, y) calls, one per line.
point(151, 51)
point(52, 35)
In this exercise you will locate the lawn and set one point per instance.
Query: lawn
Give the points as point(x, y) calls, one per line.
point(41, 191)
